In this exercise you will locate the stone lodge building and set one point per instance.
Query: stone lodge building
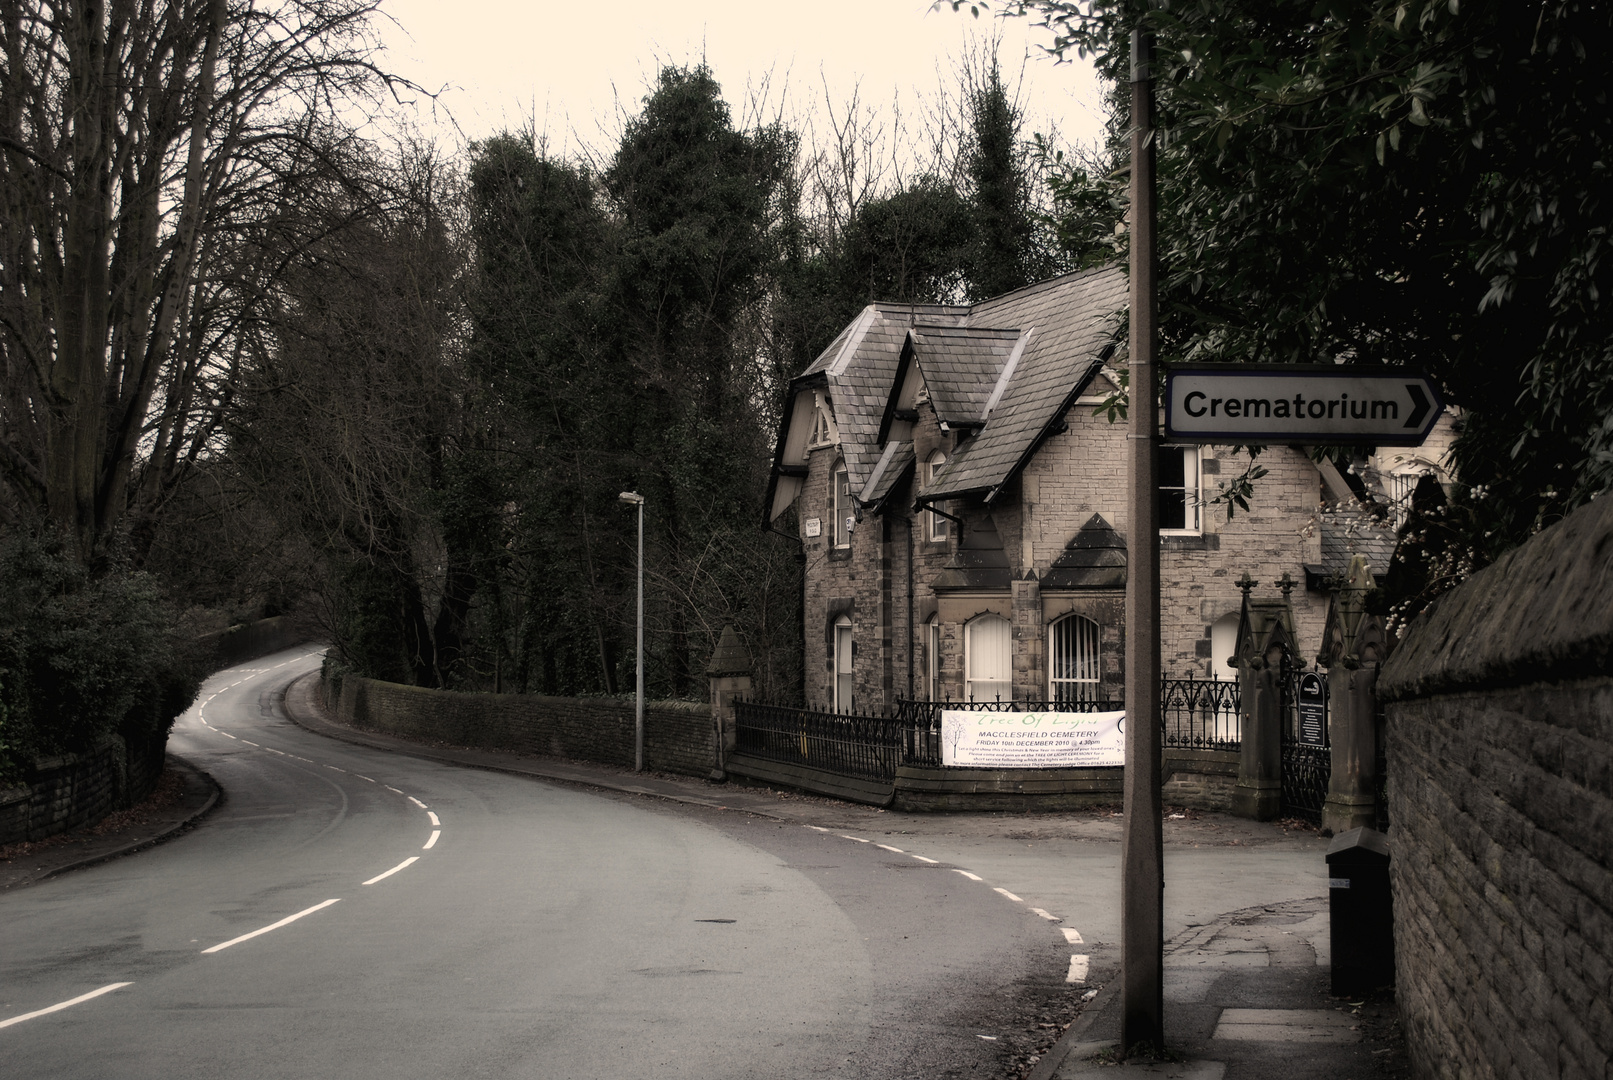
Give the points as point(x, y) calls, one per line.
point(961, 502)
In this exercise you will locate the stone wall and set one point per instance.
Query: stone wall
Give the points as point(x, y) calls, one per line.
point(75, 789)
point(1500, 758)
point(678, 736)
point(249, 641)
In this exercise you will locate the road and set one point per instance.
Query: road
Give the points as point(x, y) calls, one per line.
point(353, 913)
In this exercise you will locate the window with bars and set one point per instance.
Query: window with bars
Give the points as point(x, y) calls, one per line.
point(1074, 672)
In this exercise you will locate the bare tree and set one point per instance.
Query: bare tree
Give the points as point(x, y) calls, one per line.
point(152, 160)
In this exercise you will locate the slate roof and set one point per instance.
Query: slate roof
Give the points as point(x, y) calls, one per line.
point(1016, 360)
point(1095, 558)
point(893, 465)
point(1347, 533)
point(1070, 320)
point(961, 366)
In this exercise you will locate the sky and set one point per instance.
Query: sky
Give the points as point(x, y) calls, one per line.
point(568, 69)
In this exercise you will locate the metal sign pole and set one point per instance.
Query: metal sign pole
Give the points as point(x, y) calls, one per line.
point(1142, 845)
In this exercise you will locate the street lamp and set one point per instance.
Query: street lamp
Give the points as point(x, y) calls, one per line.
point(633, 498)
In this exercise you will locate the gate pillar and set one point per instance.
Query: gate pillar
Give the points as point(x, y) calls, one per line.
point(1353, 643)
point(1259, 791)
point(729, 674)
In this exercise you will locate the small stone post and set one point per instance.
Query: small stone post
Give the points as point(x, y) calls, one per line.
point(729, 673)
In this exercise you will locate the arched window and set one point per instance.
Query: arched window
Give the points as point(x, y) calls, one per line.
point(935, 526)
point(988, 659)
point(842, 515)
point(1223, 643)
point(845, 679)
point(1074, 673)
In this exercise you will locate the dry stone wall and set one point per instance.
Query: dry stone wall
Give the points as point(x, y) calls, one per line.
point(678, 736)
point(1500, 757)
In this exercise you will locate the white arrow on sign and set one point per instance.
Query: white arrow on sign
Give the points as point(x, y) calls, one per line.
point(1248, 404)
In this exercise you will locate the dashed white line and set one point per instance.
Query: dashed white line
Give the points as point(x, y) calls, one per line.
point(965, 873)
point(249, 742)
point(417, 802)
point(433, 841)
point(1072, 936)
point(60, 1005)
point(1008, 894)
point(818, 828)
point(1078, 969)
point(337, 770)
point(406, 863)
point(364, 778)
point(433, 818)
point(1045, 915)
point(221, 946)
point(272, 750)
point(887, 847)
point(859, 839)
point(932, 862)
point(392, 789)
point(226, 734)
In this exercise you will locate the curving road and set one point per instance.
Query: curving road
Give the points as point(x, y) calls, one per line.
point(353, 913)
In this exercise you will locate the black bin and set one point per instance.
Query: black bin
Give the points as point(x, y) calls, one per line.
point(1361, 912)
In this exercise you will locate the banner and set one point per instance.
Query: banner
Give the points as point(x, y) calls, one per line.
point(1032, 740)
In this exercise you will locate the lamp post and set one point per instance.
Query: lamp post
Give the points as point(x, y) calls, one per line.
point(633, 498)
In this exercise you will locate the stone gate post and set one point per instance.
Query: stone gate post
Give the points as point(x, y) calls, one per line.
point(730, 677)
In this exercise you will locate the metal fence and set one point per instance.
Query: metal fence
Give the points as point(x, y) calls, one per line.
point(850, 744)
point(1199, 714)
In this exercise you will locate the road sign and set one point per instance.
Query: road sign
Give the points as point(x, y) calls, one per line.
point(1249, 404)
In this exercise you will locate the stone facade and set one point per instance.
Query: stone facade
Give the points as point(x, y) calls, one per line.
point(1500, 754)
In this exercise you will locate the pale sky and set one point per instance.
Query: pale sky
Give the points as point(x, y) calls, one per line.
point(503, 64)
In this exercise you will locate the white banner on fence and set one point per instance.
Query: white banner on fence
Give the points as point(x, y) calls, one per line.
point(1032, 740)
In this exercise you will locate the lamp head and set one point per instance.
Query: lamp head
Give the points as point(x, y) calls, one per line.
point(630, 498)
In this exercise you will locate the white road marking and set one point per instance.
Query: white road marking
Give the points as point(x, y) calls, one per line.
point(887, 847)
point(249, 742)
point(392, 789)
point(405, 864)
point(433, 817)
point(221, 946)
point(859, 839)
point(1078, 969)
point(433, 841)
point(60, 1005)
point(364, 778)
point(226, 734)
point(417, 802)
point(1008, 894)
point(272, 750)
point(965, 873)
point(818, 828)
point(932, 862)
point(988, 1038)
point(1045, 915)
point(1072, 936)
point(334, 767)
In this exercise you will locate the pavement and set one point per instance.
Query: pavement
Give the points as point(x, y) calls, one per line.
point(1246, 987)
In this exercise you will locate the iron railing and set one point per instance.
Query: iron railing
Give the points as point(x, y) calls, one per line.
point(1199, 714)
point(850, 744)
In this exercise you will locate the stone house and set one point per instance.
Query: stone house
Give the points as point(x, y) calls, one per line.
point(960, 497)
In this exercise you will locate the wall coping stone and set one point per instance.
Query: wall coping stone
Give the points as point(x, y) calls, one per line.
point(1542, 613)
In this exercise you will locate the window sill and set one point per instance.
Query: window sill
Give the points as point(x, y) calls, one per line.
point(840, 554)
point(1189, 542)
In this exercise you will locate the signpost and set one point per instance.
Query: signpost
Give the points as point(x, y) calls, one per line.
point(1313, 404)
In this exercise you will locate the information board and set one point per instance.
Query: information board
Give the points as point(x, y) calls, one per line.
point(1312, 710)
point(1032, 740)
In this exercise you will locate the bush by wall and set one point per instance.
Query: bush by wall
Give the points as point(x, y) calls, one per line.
point(1500, 756)
point(678, 736)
